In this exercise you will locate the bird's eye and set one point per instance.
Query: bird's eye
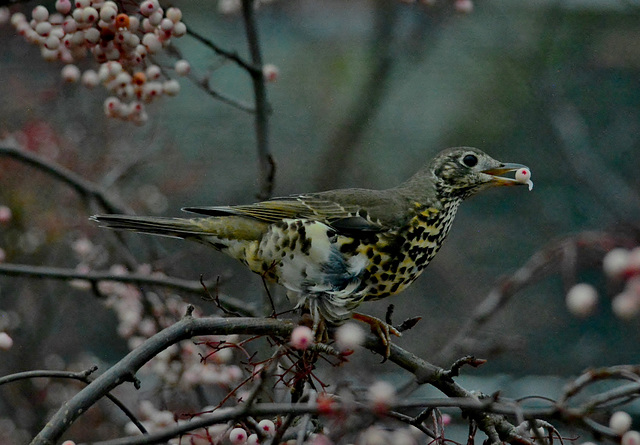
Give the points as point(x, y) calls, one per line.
point(470, 160)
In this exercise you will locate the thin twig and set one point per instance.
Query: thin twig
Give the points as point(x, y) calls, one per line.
point(231, 55)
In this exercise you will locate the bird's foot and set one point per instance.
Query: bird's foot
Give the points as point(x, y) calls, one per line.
point(380, 329)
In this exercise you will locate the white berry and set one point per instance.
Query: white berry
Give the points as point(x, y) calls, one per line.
point(182, 67)
point(523, 175)
point(267, 426)
point(71, 73)
point(630, 438)
point(615, 262)
point(582, 300)
point(349, 336)
point(238, 436)
point(40, 13)
point(620, 422)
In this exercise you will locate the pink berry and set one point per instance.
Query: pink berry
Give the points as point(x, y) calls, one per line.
point(6, 342)
point(464, 6)
point(301, 337)
point(630, 438)
point(238, 436)
point(5, 214)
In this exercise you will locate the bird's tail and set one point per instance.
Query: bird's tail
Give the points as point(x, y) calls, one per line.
point(213, 230)
point(172, 227)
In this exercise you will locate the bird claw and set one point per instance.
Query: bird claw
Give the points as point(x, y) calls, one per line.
point(380, 329)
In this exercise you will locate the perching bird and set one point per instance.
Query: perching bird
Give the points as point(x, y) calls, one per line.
point(337, 249)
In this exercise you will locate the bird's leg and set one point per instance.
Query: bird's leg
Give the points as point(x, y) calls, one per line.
point(379, 328)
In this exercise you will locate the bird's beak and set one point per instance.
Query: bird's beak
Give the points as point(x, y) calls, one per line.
point(499, 180)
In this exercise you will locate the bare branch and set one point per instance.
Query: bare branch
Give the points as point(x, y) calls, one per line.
point(266, 165)
point(82, 376)
point(55, 273)
point(84, 188)
point(546, 261)
point(231, 55)
point(125, 369)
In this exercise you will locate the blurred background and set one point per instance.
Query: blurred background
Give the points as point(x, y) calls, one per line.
point(367, 92)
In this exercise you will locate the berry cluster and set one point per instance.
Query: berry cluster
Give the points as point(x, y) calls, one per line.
point(119, 42)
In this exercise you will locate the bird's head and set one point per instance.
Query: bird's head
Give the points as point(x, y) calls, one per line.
point(463, 171)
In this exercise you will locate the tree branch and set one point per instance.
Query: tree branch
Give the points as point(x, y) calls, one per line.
point(82, 376)
point(125, 369)
point(266, 165)
point(84, 188)
point(546, 261)
point(231, 55)
point(193, 287)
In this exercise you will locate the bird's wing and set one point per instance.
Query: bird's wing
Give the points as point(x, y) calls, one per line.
point(342, 217)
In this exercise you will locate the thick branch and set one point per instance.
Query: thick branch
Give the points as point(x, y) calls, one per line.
point(125, 369)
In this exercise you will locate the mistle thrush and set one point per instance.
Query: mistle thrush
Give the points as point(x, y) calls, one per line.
point(336, 249)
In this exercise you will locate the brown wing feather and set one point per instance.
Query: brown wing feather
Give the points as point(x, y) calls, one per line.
point(298, 206)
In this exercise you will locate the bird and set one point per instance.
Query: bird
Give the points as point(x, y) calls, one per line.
point(334, 250)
